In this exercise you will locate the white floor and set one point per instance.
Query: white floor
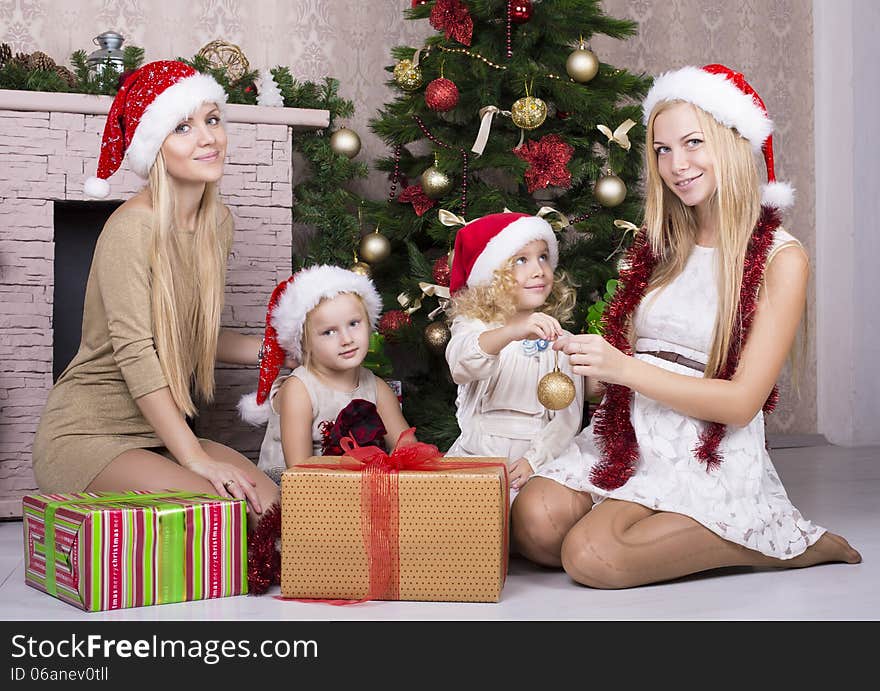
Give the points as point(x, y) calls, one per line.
point(835, 487)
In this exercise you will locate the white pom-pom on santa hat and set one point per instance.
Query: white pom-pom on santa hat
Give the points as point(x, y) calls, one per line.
point(779, 195)
point(731, 100)
point(97, 188)
point(253, 412)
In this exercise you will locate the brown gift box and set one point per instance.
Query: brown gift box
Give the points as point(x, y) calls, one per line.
point(452, 531)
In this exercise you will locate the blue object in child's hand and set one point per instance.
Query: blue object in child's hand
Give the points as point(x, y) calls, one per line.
point(533, 347)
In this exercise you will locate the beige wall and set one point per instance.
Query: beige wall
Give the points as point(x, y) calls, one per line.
point(770, 41)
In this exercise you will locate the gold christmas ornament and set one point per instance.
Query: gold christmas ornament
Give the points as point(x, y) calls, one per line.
point(610, 190)
point(345, 142)
point(582, 65)
point(556, 390)
point(361, 268)
point(435, 182)
point(407, 75)
point(528, 112)
point(226, 56)
point(437, 336)
point(374, 248)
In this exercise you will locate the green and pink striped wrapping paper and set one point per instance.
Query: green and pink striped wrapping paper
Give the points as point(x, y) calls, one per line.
point(129, 549)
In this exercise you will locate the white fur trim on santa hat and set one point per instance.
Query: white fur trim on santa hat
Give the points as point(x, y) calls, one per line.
point(97, 188)
point(251, 411)
point(169, 108)
point(715, 94)
point(509, 241)
point(308, 288)
point(779, 195)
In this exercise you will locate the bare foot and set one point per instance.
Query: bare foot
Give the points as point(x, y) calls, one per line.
point(828, 548)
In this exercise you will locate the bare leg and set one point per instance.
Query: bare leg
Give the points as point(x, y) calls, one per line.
point(147, 470)
point(621, 544)
point(543, 512)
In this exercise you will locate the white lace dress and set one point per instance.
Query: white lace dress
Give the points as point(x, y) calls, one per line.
point(742, 500)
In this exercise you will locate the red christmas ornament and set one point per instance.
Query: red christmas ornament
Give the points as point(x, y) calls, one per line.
point(562, 114)
point(441, 95)
point(520, 11)
point(548, 158)
point(416, 3)
point(415, 195)
point(453, 17)
point(440, 271)
point(392, 322)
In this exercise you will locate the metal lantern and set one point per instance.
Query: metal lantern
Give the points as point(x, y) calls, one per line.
point(110, 43)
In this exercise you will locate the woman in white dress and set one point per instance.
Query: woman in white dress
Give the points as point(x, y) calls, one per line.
point(672, 475)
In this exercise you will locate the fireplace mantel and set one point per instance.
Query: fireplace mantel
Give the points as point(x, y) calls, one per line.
point(49, 143)
point(86, 104)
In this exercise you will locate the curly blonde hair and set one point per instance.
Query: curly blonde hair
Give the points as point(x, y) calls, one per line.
point(496, 302)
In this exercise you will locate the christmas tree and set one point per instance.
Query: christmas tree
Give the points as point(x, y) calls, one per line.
point(504, 107)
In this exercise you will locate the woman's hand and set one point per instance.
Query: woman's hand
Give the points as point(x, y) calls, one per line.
point(519, 471)
point(592, 356)
point(535, 325)
point(228, 480)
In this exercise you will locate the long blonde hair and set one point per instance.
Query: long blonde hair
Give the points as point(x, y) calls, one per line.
point(186, 341)
point(496, 302)
point(672, 226)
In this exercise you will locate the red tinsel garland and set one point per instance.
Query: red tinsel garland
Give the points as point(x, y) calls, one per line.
point(264, 559)
point(612, 424)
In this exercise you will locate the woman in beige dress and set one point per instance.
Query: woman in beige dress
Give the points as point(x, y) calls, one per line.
point(116, 418)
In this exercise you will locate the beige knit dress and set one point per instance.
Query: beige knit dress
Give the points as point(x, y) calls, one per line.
point(91, 416)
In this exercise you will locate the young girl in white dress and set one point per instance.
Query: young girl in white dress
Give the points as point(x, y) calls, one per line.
point(322, 317)
point(672, 476)
point(507, 306)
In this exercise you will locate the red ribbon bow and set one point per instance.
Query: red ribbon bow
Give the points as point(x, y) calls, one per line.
point(415, 195)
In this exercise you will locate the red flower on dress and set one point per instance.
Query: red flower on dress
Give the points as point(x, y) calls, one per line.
point(416, 196)
point(360, 420)
point(548, 158)
point(453, 18)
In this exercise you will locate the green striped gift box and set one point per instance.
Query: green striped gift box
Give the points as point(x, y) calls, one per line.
point(110, 550)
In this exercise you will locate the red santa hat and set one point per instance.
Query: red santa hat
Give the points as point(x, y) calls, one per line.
point(483, 245)
point(290, 304)
point(148, 106)
point(730, 99)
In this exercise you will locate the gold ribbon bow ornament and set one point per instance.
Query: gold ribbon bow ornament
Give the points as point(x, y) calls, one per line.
point(619, 136)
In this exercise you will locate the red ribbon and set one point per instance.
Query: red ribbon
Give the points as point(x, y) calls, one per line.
point(380, 515)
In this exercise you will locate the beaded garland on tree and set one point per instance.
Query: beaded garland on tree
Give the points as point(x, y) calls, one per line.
point(612, 424)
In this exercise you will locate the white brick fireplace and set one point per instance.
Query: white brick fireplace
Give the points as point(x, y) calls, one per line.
point(48, 146)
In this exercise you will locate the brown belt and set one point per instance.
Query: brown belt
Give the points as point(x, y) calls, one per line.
point(675, 357)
